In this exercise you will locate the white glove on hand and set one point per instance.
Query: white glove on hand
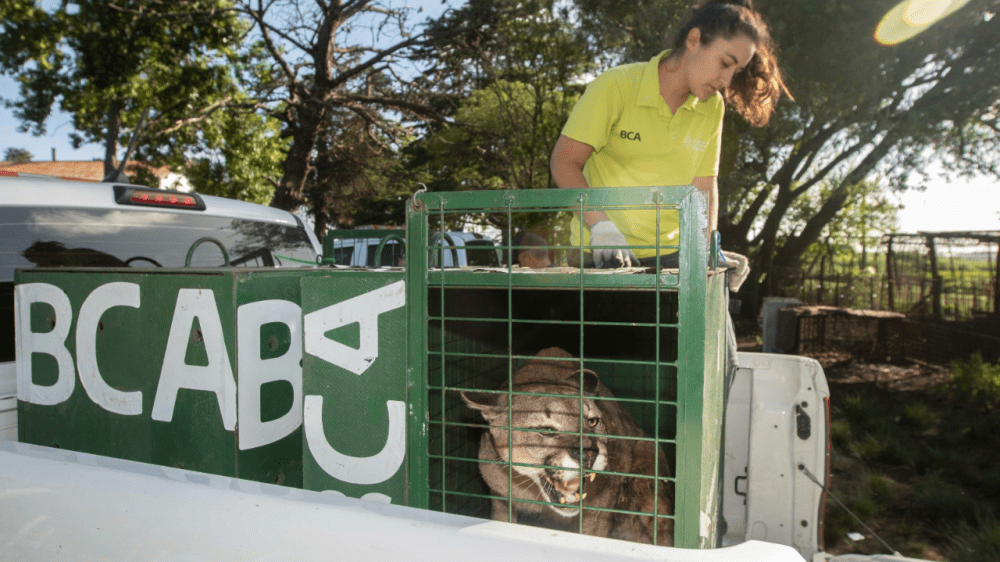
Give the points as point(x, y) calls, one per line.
point(605, 233)
point(739, 267)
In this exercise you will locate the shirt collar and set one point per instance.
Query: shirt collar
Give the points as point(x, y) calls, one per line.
point(649, 88)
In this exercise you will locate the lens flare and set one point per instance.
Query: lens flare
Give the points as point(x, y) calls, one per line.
point(925, 12)
point(911, 17)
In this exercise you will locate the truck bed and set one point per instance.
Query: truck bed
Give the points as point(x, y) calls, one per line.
point(80, 507)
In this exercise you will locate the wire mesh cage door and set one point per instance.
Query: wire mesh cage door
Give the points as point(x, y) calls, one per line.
point(570, 398)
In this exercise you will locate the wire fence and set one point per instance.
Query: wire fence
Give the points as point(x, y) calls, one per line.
point(947, 284)
point(943, 275)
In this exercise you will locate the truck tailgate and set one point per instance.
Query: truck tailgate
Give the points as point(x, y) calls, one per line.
point(776, 423)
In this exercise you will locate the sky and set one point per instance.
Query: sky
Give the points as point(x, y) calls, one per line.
point(947, 205)
point(951, 205)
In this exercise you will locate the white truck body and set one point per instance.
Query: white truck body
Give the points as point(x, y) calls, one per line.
point(61, 505)
point(89, 507)
point(8, 402)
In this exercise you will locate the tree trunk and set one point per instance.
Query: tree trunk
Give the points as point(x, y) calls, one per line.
point(114, 125)
point(289, 194)
point(321, 221)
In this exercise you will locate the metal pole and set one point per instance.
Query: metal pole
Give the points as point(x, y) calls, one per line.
point(935, 279)
point(996, 284)
point(890, 275)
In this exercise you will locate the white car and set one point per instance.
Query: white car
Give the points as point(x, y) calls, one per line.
point(51, 222)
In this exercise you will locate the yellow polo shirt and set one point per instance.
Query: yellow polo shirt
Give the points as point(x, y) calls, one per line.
point(638, 142)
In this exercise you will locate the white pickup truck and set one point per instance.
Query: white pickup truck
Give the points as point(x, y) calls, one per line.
point(216, 379)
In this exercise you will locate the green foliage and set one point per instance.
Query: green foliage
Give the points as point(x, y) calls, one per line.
point(106, 62)
point(977, 382)
point(498, 139)
point(920, 416)
point(337, 72)
point(484, 41)
point(792, 191)
point(868, 212)
point(856, 409)
point(360, 176)
point(922, 464)
point(943, 500)
point(514, 67)
point(867, 493)
point(634, 33)
point(976, 541)
point(17, 155)
point(244, 158)
point(880, 489)
point(861, 110)
point(840, 433)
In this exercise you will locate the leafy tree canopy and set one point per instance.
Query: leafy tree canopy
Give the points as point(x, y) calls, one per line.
point(329, 60)
point(359, 178)
point(512, 69)
point(106, 62)
point(861, 109)
point(241, 157)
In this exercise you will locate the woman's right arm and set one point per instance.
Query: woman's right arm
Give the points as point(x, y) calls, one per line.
point(566, 165)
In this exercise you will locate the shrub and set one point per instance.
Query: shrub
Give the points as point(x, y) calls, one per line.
point(840, 434)
point(977, 381)
point(977, 541)
point(920, 416)
point(944, 501)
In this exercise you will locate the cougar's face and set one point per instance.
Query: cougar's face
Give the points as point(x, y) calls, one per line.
point(555, 442)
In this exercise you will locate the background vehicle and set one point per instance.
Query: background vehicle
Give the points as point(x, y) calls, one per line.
point(359, 247)
point(48, 222)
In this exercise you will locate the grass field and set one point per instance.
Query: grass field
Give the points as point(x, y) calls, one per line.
point(916, 456)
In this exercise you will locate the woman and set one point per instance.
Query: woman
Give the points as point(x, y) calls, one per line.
point(659, 123)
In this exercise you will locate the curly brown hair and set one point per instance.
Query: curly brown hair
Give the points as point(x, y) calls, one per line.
point(754, 91)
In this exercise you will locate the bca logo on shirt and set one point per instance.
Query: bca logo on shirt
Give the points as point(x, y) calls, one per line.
point(695, 144)
point(631, 135)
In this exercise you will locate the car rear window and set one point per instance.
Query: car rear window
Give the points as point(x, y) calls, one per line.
point(69, 237)
point(86, 237)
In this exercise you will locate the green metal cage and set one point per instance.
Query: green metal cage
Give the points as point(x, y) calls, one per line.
point(655, 338)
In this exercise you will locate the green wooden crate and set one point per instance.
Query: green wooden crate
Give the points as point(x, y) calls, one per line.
point(355, 384)
point(198, 369)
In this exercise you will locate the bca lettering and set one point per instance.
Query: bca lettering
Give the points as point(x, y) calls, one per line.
point(217, 376)
point(631, 135)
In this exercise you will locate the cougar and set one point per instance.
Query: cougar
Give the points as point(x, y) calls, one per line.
point(567, 440)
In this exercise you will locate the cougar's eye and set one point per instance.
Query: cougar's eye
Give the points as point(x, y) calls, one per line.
point(593, 421)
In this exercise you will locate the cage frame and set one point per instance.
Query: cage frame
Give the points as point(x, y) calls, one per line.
point(698, 282)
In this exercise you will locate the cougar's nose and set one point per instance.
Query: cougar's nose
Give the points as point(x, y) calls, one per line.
point(589, 453)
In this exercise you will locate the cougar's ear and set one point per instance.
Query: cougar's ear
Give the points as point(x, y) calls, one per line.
point(482, 401)
point(553, 352)
point(590, 380)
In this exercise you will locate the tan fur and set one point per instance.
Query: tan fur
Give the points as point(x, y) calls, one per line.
point(562, 478)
